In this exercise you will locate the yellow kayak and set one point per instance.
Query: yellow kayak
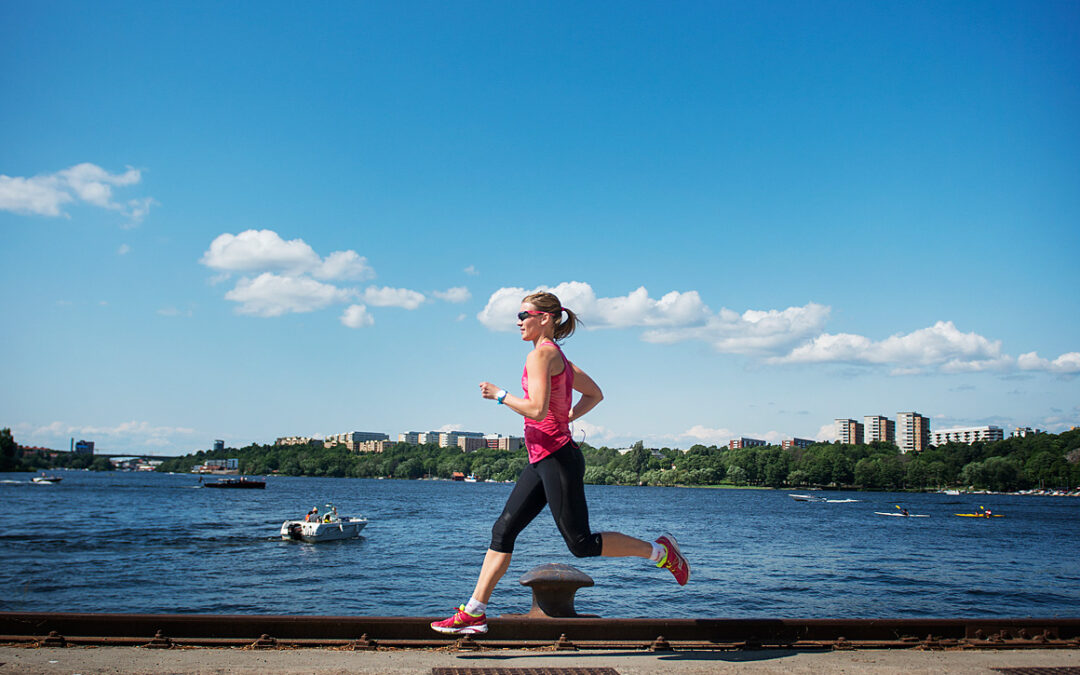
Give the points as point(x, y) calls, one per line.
point(979, 515)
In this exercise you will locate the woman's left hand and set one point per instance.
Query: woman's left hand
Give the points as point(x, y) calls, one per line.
point(489, 390)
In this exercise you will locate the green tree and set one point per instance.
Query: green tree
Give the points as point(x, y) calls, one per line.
point(9, 450)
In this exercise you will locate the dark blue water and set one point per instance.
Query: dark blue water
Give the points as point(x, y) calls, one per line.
point(136, 542)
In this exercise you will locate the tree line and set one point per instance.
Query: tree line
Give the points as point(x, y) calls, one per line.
point(1039, 460)
point(11, 458)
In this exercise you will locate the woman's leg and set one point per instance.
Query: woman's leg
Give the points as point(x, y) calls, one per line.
point(525, 502)
point(563, 475)
point(618, 545)
point(495, 566)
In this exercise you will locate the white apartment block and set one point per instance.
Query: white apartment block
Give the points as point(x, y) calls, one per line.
point(790, 443)
point(878, 428)
point(427, 438)
point(353, 438)
point(296, 440)
point(967, 435)
point(912, 432)
point(848, 431)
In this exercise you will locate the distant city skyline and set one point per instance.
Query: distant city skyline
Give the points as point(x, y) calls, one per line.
point(235, 225)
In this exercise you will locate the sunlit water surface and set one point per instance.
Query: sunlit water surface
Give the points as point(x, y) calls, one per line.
point(149, 543)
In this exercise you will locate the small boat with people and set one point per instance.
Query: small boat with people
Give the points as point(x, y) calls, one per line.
point(982, 513)
point(902, 515)
point(237, 483)
point(327, 526)
point(901, 512)
point(807, 498)
point(46, 478)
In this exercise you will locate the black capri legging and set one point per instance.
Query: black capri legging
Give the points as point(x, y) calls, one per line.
point(557, 480)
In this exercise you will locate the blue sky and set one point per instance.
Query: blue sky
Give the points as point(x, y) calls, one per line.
point(253, 220)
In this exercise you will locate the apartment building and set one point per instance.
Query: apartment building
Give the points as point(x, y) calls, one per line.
point(912, 432)
point(471, 443)
point(296, 440)
point(967, 435)
point(1020, 432)
point(849, 431)
point(353, 439)
point(879, 428)
point(796, 443)
point(373, 446)
point(508, 443)
point(448, 439)
point(744, 442)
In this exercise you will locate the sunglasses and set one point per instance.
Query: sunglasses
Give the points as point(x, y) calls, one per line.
point(527, 313)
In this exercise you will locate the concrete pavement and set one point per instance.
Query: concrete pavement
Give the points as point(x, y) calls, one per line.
point(204, 661)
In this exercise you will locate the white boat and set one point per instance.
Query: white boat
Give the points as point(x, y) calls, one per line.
point(329, 527)
point(46, 479)
point(807, 498)
point(901, 515)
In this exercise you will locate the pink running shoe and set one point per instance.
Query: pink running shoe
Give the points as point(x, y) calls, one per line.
point(673, 559)
point(462, 623)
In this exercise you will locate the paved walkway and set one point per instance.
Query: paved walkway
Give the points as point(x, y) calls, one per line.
point(138, 661)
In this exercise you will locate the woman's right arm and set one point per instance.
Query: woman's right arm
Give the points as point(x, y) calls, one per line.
point(589, 390)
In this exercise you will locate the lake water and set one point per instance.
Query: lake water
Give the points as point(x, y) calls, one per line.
point(148, 543)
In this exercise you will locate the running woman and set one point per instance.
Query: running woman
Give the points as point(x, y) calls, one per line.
point(556, 469)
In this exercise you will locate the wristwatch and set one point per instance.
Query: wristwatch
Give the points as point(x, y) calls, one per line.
point(501, 396)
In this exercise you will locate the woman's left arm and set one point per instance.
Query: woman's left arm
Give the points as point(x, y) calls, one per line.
point(589, 390)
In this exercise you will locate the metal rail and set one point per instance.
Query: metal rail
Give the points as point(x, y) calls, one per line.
point(168, 630)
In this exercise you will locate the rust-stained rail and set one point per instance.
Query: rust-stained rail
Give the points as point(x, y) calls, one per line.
point(167, 630)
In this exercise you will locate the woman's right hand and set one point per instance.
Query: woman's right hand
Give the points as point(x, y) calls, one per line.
point(488, 390)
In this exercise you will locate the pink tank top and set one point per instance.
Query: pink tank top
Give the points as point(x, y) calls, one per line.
point(551, 433)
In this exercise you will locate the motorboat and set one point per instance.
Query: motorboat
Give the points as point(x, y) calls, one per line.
point(807, 498)
point(326, 527)
point(44, 478)
point(240, 483)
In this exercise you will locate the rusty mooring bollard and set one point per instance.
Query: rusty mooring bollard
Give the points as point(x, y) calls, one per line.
point(553, 587)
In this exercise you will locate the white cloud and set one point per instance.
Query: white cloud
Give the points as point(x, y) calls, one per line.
point(128, 435)
point(356, 316)
point(41, 195)
point(472, 271)
point(674, 317)
point(703, 435)
point(455, 294)
point(450, 427)
point(260, 250)
point(827, 433)
point(1066, 364)
point(635, 309)
point(588, 432)
point(344, 265)
point(123, 250)
point(393, 297)
point(266, 251)
point(273, 295)
point(940, 346)
point(292, 277)
point(45, 194)
point(752, 332)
